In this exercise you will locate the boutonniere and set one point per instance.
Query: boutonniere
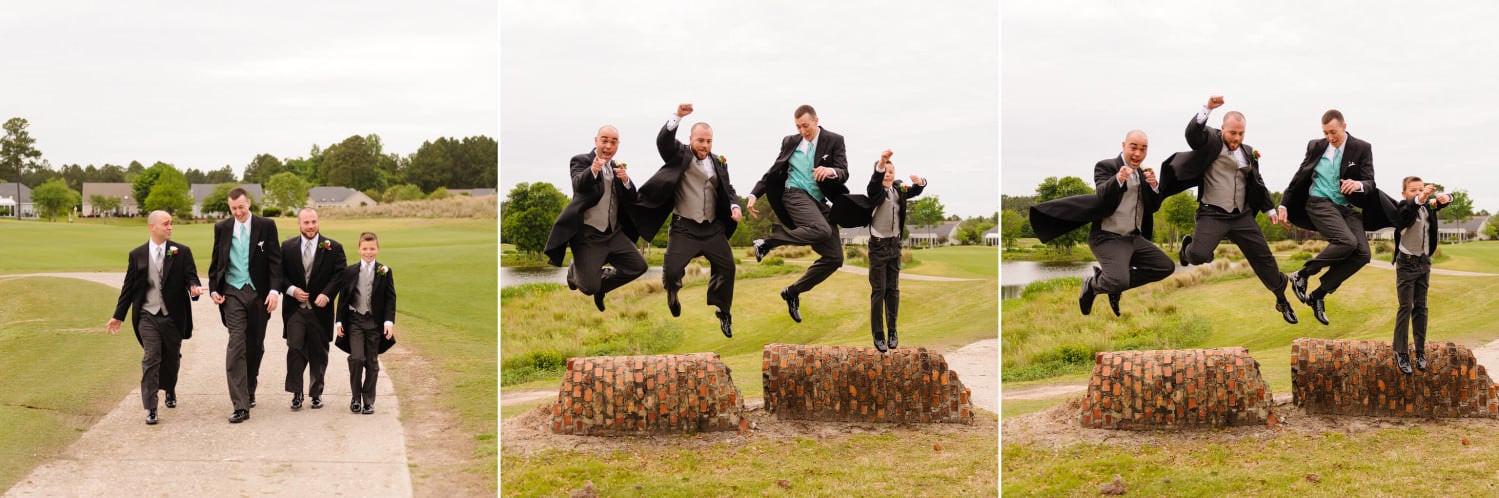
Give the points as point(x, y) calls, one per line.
point(1256, 154)
point(621, 165)
point(384, 270)
point(904, 187)
point(172, 251)
point(723, 160)
point(327, 246)
point(260, 245)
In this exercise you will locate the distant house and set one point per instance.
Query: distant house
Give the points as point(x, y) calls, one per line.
point(1446, 232)
point(202, 190)
point(991, 236)
point(128, 205)
point(338, 197)
point(942, 234)
point(858, 236)
point(15, 200)
point(473, 192)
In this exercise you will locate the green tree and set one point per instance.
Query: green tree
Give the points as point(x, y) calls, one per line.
point(104, 205)
point(971, 230)
point(527, 215)
point(926, 211)
point(400, 193)
point(18, 151)
point(54, 197)
point(1056, 188)
point(353, 163)
point(439, 193)
point(169, 192)
point(1491, 228)
point(1009, 227)
point(217, 201)
point(1459, 210)
point(1180, 212)
point(287, 191)
point(221, 175)
point(146, 179)
point(262, 168)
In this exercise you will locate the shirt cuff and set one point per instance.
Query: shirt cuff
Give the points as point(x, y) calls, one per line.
point(338, 324)
point(1202, 116)
point(671, 124)
point(291, 290)
point(275, 293)
point(389, 323)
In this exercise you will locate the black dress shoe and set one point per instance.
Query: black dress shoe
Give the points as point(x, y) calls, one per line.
point(672, 303)
point(1404, 362)
point(879, 343)
point(571, 284)
point(890, 338)
point(239, 416)
point(296, 401)
point(793, 304)
point(1181, 254)
point(598, 300)
point(1298, 285)
point(354, 406)
point(171, 399)
point(1085, 298)
point(760, 250)
point(1421, 360)
point(1284, 307)
point(317, 402)
point(252, 401)
point(151, 417)
point(725, 323)
point(369, 409)
point(1319, 309)
point(1114, 303)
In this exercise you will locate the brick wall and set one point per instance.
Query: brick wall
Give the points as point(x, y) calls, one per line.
point(1176, 388)
point(1360, 378)
point(628, 395)
point(860, 384)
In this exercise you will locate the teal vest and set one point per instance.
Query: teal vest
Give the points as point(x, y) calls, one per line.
point(801, 174)
point(239, 258)
point(1325, 179)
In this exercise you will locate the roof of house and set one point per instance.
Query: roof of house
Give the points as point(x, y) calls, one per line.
point(14, 189)
point(201, 190)
point(330, 195)
point(944, 229)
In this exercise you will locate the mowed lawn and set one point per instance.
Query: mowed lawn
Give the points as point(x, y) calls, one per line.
point(938, 315)
point(445, 274)
point(1421, 458)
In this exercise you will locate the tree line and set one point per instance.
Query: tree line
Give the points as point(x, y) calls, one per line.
point(359, 162)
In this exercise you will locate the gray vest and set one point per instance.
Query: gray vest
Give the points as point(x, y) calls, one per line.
point(364, 288)
point(1413, 238)
point(1223, 185)
point(156, 268)
point(886, 221)
point(697, 192)
point(602, 216)
point(1127, 217)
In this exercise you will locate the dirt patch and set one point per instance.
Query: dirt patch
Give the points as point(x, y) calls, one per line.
point(1043, 391)
point(437, 452)
point(1058, 427)
point(531, 432)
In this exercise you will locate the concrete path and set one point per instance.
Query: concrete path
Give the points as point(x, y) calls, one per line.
point(977, 366)
point(1386, 265)
point(195, 451)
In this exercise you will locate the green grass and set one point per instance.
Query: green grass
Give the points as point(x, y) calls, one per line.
point(1481, 257)
point(49, 398)
point(957, 262)
point(445, 273)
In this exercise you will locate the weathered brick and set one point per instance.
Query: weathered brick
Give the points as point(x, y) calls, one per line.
point(1369, 383)
point(860, 384)
point(630, 395)
point(1175, 388)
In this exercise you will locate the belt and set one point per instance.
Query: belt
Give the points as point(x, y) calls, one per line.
point(1400, 256)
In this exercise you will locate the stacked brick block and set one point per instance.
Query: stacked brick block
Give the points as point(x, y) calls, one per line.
point(1361, 378)
point(1176, 389)
point(860, 384)
point(637, 395)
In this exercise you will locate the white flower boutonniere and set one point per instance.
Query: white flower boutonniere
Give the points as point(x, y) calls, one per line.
point(384, 270)
point(172, 251)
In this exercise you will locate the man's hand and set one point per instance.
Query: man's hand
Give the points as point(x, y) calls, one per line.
point(270, 302)
point(598, 164)
point(1349, 186)
point(113, 327)
point(301, 295)
point(885, 156)
point(217, 298)
point(1215, 102)
point(1150, 179)
point(338, 329)
point(821, 173)
point(195, 291)
point(390, 331)
point(322, 300)
point(683, 110)
point(751, 206)
point(1123, 175)
point(735, 214)
point(1282, 217)
point(622, 175)
point(1444, 198)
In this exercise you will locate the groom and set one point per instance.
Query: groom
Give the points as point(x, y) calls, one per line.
point(243, 277)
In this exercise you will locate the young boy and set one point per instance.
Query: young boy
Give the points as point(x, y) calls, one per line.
point(1415, 240)
point(887, 227)
point(367, 298)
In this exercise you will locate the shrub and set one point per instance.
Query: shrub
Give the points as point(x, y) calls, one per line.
point(773, 261)
point(271, 212)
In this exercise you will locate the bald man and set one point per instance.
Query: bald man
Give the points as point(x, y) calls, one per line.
point(596, 224)
point(1232, 191)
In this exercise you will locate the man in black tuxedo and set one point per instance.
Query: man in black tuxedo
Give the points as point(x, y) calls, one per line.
point(367, 314)
point(887, 228)
point(693, 189)
point(1122, 210)
point(1415, 242)
point(1336, 177)
point(244, 278)
point(159, 280)
point(596, 224)
point(1232, 191)
point(811, 168)
point(311, 267)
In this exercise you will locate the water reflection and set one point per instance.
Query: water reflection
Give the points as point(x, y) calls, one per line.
point(511, 276)
point(1015, 275)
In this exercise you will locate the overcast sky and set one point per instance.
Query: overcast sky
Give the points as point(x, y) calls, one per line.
point(1417, 81)
point(204, 84)
point(920, 79)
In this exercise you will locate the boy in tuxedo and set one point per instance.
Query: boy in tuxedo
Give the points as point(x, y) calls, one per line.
point(887, 227)
point(368, 298)
point(1415, 240)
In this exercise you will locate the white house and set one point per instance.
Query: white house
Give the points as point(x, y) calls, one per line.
point(991, 236)
point(15, 199)
point(122, 191)
point(858, 236)
point(942, 234)
point(337, 197)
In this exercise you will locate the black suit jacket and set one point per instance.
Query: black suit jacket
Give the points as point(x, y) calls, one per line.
point(328, 264)
point(830, 153)
point(1405, 215)
point(382, 299)
point(265, 256)
point(587, 191)
point(658, 196)
point(1358, 165)
point(876, 194)
point(1053, 218)
point(1183, 170)
point(180, 274)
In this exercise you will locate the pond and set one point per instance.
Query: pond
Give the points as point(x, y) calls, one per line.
point(1015, 275)
point(511, 276)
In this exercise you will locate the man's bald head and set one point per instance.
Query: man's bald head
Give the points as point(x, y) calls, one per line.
point(156, 216)
point(1134, 148)
point(702, 140)
point(1233, 130)
point(606, 142)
